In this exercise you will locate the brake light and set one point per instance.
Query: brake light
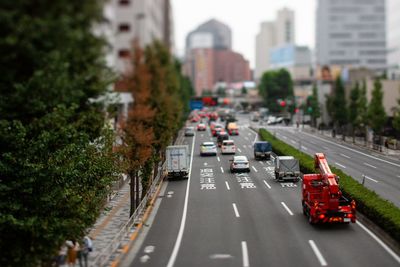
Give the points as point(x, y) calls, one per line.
point(321, 216)
point(349, 215)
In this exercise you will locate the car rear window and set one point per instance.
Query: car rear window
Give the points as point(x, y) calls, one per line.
point(228, 143)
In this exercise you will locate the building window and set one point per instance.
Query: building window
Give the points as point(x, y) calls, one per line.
point(124, 53)
point(124, 2)
point(124, 27)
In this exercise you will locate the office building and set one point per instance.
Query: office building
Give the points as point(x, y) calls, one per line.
point(275, 33)
point(141, 20)
point(393, 39)
point(351, 33)
point(209, 58)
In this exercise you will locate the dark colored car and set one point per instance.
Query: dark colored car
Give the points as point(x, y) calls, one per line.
point(221, 138)
point(262, 149)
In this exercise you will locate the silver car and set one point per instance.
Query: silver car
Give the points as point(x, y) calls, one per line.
point(240, 164)
point(208, 148)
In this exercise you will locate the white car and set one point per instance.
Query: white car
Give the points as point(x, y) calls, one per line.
point(208, 148)
point(228, 147)
point(240, 164)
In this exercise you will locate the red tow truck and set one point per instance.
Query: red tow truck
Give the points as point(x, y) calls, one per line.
point(322, 199)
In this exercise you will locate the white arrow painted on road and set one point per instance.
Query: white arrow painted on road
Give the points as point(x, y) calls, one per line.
point(144, 258)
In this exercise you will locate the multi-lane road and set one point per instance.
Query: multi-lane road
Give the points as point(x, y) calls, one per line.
point(381, 174)
point(216, 218)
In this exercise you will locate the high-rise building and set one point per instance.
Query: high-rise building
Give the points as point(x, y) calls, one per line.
point(143, 20)
point(209, 58)
point(393, 39)
point(265, 41)
point(211, 34)
point(272, 34)
point(351, 33)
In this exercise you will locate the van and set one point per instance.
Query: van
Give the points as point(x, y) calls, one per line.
point(232, 128)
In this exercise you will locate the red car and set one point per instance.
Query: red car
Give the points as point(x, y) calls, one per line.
point(201, 127)
point(195, 119)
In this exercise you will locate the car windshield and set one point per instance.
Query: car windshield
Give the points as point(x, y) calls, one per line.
point(262, 146)
point(208, 144)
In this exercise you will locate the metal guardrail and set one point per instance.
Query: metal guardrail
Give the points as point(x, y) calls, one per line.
point(104, 256)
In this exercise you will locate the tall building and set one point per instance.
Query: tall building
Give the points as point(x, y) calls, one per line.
point(265, 41)
point(211, 34)
point(144, 20)
point(393, 39)
point(351, 33)
point(209, 58)
point(272, 34)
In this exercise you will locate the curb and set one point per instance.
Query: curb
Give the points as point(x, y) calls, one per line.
point(134, 235)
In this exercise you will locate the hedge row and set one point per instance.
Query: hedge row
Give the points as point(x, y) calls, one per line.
point(380, 211)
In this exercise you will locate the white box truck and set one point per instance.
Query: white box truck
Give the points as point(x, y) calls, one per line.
point(178, 161)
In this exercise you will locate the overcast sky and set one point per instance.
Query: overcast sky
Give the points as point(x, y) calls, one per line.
point(244, 18)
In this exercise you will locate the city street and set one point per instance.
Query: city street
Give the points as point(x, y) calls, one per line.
point(382, 174)
point(216, 218)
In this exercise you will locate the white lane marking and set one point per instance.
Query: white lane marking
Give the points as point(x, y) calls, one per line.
point(245, 254)
point(255, 138)
point(246, 138)
point(398, 176)
point(265, 182)
point(261, 162)
point(287, 209)
point(321, 258)
point(222, 170)
point(205, 164)
point(220, 256)
point(326, 148)
point(218, 159)
point(369, 165)
point(380, 242)
point(345, 156)
point(202, 135)
point(353, 150)
point(249, 134)
point(149, 249)
point(254, 168)
point(244, 146)
point(293, 142)
point(305, 148)
point(239, 150)
point(340, 165)
point(178, 241)
point(369, 178)
point(227, 185)
point(144, 258)
point(284, 137)
point(235, 210)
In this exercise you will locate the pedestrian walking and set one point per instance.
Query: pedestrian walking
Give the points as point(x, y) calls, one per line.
point(86, 248)
point(62, 255)
point(73, 248)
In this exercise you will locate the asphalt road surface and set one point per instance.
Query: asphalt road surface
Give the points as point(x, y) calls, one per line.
point(216, 218)
point(382, 174)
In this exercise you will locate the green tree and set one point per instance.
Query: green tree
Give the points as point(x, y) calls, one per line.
point(221, 92)
point(376, 111)
point(362, 109)
point(274, 86)
point(396, 119)
point(339, 112)
point(56, 159)
point(314, 105)
point(353, 108)
point(244, 90)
